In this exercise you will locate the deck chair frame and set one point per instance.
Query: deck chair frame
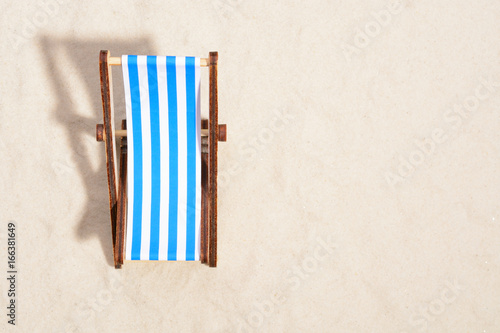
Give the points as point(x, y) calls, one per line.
point(212, 132)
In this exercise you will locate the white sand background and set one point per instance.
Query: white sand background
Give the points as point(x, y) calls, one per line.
point(416, 252)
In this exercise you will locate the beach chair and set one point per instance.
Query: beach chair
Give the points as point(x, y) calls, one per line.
point(162, 176)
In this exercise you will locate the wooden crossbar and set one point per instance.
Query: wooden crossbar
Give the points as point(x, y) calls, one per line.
point(123, 132)
point(117, 61)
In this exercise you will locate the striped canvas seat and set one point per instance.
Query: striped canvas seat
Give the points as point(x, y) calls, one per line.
point(164, 157)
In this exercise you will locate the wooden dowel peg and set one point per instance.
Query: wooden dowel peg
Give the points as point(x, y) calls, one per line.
point(99, 132)
point(222, 132)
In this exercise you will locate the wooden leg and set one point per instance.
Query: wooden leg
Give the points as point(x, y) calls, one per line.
point(213, 138)
point(204, 206)
point(121, 204)
point(105, 132)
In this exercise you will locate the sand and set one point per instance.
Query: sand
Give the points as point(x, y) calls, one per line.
point(358, 184)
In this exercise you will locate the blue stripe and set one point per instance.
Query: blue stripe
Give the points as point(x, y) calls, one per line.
point(191, 158)
point(137, 144)
point(173, 158)
point(154, 106)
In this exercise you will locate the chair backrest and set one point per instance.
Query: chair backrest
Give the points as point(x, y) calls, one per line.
point(162, 97)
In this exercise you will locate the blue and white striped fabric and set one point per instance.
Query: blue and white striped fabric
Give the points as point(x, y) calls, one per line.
point(164, 157)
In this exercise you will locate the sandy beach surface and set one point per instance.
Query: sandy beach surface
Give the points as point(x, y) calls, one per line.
point(359, 184)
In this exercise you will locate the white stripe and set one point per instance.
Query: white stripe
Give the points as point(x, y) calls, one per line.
point(182, 159)
point(130, 161)
point(198, 159)
point(164, 153)
point(146, 157)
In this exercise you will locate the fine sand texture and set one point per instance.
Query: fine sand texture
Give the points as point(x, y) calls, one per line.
point(359, 186)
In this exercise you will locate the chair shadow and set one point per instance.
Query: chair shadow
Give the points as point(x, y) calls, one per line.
point(84, 55)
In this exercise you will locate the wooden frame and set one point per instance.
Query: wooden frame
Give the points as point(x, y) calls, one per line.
point(118, 196)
